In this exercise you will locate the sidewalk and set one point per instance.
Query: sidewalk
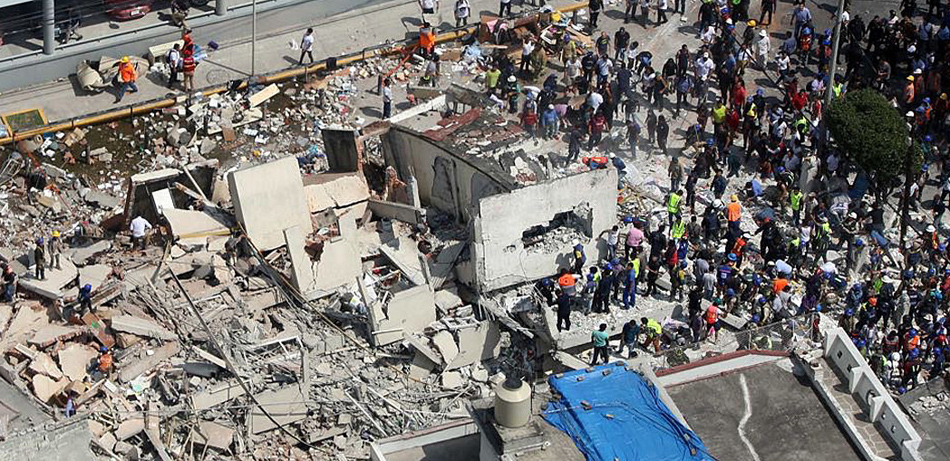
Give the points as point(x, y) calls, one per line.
point(345, 33)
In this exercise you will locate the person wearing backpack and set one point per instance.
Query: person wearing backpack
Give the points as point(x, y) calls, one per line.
point(173, 59)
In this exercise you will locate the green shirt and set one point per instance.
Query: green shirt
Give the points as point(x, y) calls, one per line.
point(491, 78)
point(600, 338)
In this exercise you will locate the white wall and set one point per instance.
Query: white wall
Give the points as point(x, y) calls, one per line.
point(501, 258)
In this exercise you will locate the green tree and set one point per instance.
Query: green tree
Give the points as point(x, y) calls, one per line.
point(874, 135)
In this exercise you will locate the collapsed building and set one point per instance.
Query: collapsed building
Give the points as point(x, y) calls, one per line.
point(293, 311)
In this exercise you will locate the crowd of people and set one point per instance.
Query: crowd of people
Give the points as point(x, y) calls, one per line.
point(764, 220)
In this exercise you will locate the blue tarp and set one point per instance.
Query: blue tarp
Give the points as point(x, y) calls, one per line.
point(613, 413)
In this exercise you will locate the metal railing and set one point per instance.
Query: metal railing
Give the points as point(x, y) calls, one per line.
point(783, 335)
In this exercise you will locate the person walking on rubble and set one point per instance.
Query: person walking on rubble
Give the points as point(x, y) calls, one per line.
point(55, 250)
point(600, 338)
point(9, 283)
point(39, 258)
point(139, 228)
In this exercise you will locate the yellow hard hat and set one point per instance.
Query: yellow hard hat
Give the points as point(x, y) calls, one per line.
point(751, 23)
point(125, 59)
point(735, 198)
point(910, 77)
point(55, 233)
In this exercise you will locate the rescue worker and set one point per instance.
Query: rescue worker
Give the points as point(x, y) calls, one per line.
point(127, 78)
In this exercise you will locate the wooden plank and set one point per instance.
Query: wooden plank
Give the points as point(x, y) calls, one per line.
point(269, 92)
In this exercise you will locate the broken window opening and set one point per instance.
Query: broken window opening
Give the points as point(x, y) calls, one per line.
point(563, 228)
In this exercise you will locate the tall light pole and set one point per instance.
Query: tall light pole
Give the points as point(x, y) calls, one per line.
point(834, 56)
point(253, 33)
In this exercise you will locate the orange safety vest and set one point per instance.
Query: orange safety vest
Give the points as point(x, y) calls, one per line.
point(712, 314)
point(733, 211)
point(127, 72)
point(566, 280)
point(427, 39)
point(779, 285)
point(105, 362)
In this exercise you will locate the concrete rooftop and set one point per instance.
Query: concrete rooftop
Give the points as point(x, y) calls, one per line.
point(767, 408)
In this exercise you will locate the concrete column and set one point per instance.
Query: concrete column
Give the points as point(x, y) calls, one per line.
point(49, 39)
point(220, 7)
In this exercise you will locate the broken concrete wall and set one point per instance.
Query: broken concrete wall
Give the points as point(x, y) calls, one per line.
point(501, 257)
point(139, 200)
point(343, 155)
point(269, 198)
point(446, 181)
point(339, 265)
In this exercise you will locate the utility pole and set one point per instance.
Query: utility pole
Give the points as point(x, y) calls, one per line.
point(836, 42)
point(49, 23)
point(253, 34)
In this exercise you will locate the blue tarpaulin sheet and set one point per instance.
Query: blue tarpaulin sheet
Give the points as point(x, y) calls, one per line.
point(613, 413)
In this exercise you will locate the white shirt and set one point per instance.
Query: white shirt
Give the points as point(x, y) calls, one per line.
point(527, 48)
point(703, 67)
point(306, 43)
point(595, 100)
point(783, 62)
point(387, 94)
point(139, 226)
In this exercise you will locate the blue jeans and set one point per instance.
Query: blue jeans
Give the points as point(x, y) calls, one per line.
point(630, 296)
point(125, 87)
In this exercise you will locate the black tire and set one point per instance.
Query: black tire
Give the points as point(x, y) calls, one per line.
point(199, 3)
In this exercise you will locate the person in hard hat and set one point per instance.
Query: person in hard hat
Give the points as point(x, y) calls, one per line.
point(84, 298)
point(734, 213)
point(127, 78)
point(55, 250)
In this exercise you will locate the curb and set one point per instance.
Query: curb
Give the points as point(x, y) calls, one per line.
point(274, 77)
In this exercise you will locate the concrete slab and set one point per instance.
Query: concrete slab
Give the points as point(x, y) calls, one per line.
point(95, 275)
point(50, 334)
point(45, 387)
point(56, 280)
point(142, 327)
point(43, 364)
point(421, 346)
point(81, 256)
point(130, 428)
point(28, 318)
point(286, 406)
point(130, 371)
point(216, 395)
point(301, 267)
point(445, 343)
point(268, 92)
point(404, 253)
point(214, 435)
point(192, 224)
point(339, 266)
point(476, 344)
point(75, 360)
point(783, 416)
point(408, 311)
point(269, 198)
point(326, 191)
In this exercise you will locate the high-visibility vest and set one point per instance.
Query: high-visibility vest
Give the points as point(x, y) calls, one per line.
point(655, 326)
point(719, 114)
point(566, 280)
point(673, 204)
point(836, 89)
point(733, 211)
point(678, 230)
point(712, 314)
point(796, 199)
point(636, 266)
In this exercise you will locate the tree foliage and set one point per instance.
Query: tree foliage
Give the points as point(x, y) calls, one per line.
point(872, 133)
